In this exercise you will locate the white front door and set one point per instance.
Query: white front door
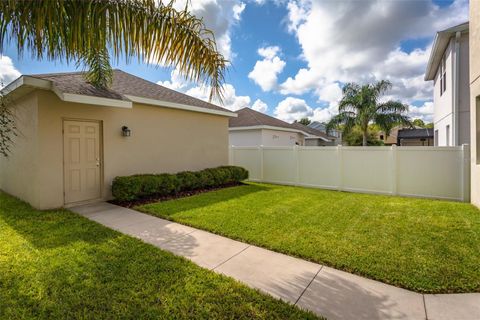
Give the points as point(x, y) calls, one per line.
point(81, 160)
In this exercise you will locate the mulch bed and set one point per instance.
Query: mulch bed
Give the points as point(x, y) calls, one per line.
point(183, 194)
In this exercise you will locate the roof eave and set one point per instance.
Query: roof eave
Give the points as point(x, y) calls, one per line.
point(318, 137)
point(24, 84)
point(439, 46)
point(167, 104)
point(259, 127)
point(25, 81)
point(430, 72)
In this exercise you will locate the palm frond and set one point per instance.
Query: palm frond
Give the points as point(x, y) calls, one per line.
point(346, 118)
point(8, 129)
point(145, 29)
point(386, 121)
point(98, 70)
point(392, 106)
point(360, 107)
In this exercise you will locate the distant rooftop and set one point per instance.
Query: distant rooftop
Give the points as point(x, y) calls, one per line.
point(415, 133)
point(312, 131)
point(247, 117)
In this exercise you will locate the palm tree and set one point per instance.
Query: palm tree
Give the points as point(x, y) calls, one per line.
point(361, 106)
point(88, 32)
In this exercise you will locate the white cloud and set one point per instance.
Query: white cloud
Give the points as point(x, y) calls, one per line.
point(266, 71)
point(331, 93)
point(291, 109)
point(359, 41)
point(269, 52)
point(260, 106)
point(8, 72)
point(237, 10)
point(424, 112)
point(176, 82)
point(219, 16)
point(231, 100)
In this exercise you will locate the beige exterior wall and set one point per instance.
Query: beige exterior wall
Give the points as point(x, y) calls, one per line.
point(18, 172)
point(162, 140)
point(475, 100)
point(265, 137)
point(277, 138)
point(245, 137)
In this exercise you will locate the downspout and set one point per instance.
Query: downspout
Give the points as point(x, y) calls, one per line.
point(455, 93)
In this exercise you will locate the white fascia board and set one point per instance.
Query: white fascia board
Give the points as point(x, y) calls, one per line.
point(266, 128)
point(98, 101)
point(438, 49)
point(26, 81)
point(440, 44)
point(167, 104)
point(317, 137)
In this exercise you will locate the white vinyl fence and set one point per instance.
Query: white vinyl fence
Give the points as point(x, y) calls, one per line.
point(430, 172)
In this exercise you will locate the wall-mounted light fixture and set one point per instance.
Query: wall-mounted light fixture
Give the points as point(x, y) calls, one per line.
point(126, 132)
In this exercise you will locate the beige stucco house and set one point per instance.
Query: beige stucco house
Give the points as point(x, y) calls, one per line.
point(475, 100)
point(253, 128)
point(74, 139)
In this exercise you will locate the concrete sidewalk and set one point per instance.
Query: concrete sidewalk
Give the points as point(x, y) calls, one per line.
point(323, 290)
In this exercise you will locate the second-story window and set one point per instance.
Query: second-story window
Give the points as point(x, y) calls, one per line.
point(443, 75)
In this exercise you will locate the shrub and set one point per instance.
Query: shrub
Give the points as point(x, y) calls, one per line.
point(158, 185)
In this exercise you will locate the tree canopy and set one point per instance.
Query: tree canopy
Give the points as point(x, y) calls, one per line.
point(304, 121)
point(361, 105)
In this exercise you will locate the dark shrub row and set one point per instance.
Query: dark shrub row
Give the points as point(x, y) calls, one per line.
point(158, 185)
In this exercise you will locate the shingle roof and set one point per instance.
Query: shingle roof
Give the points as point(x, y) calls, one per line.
point(123, 84)
point(311, 131)
point(247, 117)
point(415, 133)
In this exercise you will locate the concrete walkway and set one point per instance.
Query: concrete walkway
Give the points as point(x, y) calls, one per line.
point(323, 290)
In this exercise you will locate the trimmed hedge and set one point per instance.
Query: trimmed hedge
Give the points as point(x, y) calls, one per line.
point(158, 185)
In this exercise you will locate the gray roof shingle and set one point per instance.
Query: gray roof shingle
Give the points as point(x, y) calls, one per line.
point(415, 133)
point(123, 84)
point(247, 117)
point(312, 131)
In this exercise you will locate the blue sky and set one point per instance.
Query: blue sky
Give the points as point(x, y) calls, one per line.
point(290, 58)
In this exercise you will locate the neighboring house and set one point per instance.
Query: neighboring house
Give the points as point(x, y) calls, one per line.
point(75, 139)
point(415, 137)
point(253, 128)
point(390, 139)
point(332, 133)
point(315, 137)
point(448, 67)
point(475, 101)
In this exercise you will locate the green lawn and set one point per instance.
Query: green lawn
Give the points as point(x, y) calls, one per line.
point(58, 265)
point(423, 245)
